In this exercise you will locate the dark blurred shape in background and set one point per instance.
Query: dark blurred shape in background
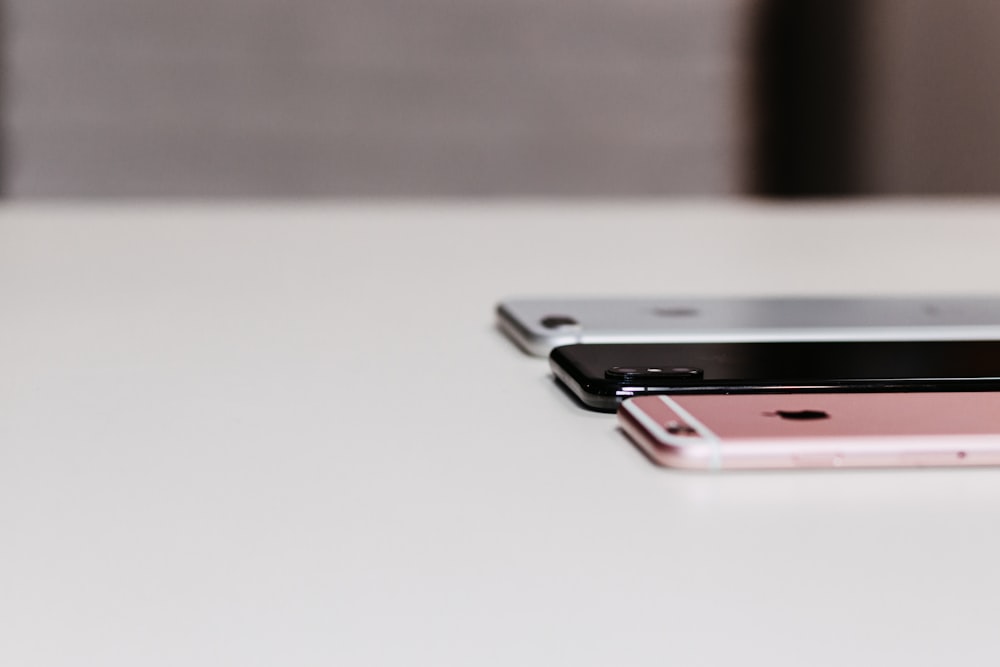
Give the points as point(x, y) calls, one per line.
point(806, 97)
point(374, 98)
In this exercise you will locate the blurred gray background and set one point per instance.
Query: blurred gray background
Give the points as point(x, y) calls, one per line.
point(359, 98)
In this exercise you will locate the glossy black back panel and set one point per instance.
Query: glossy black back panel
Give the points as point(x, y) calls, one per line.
point(777, 366)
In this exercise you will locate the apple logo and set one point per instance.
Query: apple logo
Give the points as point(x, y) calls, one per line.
point(799, 415)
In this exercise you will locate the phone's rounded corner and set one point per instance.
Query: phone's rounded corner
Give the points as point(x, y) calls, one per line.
point(528, 341)
point(592, 400)
point(580, 394)
point(676, 452)
point(536, 338)
point(692, 456)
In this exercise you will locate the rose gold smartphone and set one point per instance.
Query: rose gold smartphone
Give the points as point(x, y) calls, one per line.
point(739, 431)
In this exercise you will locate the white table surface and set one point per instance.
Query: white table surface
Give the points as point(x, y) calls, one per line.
point(277, 434)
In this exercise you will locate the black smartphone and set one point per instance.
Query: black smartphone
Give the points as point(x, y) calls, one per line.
point(602, 375)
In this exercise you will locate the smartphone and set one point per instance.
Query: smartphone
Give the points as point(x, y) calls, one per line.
point(538, 325)
point(717, 432)
point(601, 376)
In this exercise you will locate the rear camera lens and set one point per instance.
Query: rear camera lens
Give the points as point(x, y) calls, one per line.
point(556, 321)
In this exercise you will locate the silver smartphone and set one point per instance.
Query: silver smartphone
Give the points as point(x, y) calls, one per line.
point(537, 325)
